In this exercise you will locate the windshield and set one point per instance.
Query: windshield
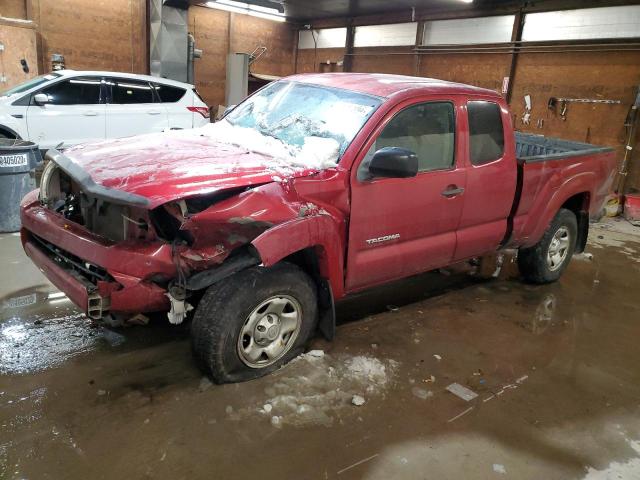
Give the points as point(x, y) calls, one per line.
point(29, 84)
point(298, 114)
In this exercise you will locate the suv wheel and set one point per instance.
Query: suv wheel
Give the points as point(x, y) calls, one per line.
point(546, 260)
point(254, 322)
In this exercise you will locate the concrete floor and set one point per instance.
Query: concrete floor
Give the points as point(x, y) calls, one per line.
point(556, 368)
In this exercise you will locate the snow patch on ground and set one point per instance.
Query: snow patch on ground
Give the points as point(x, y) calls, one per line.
point(629, 470)
point(315, 389)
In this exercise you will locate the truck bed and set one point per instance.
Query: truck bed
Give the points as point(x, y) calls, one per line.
point(547, 167)
point(538, 148)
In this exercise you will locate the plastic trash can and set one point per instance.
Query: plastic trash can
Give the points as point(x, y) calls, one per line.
point(17, 160)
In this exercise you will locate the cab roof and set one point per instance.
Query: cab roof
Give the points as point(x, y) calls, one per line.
point(387, 85)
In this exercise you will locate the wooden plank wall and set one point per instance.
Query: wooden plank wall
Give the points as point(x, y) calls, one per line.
point(598, 75)
point(13, 9)
point(324, 57)
point(19, 42)
point(109, 35)
point(219, 32)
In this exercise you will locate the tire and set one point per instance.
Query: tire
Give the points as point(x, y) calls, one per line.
point(251, 312)
point(547, 260)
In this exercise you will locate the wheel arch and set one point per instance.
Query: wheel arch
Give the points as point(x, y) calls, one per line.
point(9, 132)
point(579, 204)
point(575, 195)
point(314, 245)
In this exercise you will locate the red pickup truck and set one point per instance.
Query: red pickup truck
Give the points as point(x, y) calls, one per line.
point(315, 187)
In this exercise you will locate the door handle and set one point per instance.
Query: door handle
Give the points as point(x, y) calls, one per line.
point(452, 191)
point(153, 112)
point(90, 113)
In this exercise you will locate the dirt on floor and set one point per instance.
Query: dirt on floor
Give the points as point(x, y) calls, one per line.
point(556, 371)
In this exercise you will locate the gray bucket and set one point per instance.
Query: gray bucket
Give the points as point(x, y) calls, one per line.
point(18, 159)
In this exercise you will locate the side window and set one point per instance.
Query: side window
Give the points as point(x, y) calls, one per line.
point(427, 129)
point(486, 137)
point(125, 91)
point(168, 93)
point(75, 91)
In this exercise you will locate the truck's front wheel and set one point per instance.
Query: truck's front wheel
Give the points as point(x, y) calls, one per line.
point(254, 322)
point(546, 260)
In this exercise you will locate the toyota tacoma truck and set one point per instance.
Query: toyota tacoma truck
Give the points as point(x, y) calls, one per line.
point(313, 188)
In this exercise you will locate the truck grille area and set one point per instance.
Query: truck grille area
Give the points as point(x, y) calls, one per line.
point(111, 221)
point(89, 272)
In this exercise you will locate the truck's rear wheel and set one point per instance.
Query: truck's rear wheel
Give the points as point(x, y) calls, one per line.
point(546, 260)
point(254, 322)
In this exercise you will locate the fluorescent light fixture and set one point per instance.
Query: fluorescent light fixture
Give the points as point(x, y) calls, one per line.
point(248, 9)
point(466, 1)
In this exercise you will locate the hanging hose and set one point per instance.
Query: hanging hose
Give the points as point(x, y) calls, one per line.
point(631, 123)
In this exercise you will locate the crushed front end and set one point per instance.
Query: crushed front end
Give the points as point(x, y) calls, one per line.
point(115, 253)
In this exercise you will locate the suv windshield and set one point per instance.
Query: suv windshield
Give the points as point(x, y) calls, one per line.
point(29, 84)
point(298, 113)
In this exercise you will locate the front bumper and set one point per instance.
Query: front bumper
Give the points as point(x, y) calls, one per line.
point(129, 269)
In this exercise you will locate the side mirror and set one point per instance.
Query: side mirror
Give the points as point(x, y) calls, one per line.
point(394, 162)
point(41, 99)
point(228, 109)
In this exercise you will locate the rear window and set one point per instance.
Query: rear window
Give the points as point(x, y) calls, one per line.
point(486, 136)
point(169, 94)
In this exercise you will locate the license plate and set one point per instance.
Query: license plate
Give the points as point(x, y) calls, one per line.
point(18, 302)
point(15, 160)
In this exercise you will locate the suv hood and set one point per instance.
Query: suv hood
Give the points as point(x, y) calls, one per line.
point(150, 170)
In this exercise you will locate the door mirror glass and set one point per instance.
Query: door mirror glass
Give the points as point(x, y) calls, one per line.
point(394, 162)
point(41, 99)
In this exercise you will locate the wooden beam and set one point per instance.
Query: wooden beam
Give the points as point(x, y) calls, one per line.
point(516, 37)
point(347, 62)
point(296, 40)
point(230, 32)
point(417, 62)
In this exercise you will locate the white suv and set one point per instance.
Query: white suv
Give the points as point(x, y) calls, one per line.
point(72, 107)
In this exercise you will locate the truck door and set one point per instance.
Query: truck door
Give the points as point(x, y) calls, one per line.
point(491, 180)
point(402, 226)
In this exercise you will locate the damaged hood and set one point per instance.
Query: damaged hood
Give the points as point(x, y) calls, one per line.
point(159, 168)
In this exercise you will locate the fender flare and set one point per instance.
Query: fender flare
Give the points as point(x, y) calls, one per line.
point(576, 185)
point(321, 232)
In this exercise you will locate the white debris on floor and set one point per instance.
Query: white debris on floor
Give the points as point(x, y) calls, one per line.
point(315, 353)
point(316, 388)
point(421, 393)
point(462, 392)
point(499, 468)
